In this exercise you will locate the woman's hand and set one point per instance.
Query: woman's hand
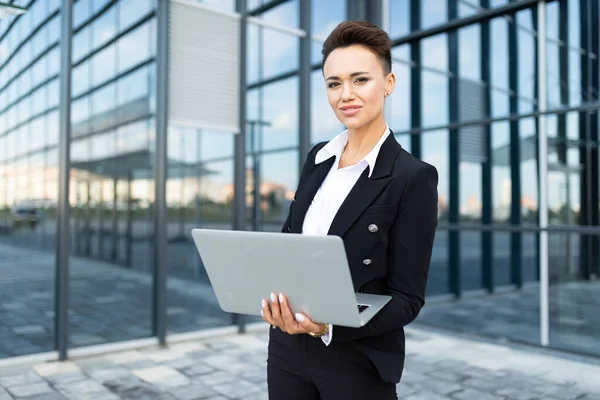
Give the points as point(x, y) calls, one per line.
point(280, 316)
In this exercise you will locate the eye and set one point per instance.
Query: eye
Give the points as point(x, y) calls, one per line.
point(361, 79)
point(332, 85)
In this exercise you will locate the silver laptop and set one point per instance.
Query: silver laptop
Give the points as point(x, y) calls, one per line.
point(312, 271)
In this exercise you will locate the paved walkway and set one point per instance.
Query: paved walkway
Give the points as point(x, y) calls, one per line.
point(233, 367)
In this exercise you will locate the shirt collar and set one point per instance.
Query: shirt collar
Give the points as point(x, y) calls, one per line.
point(336, 146)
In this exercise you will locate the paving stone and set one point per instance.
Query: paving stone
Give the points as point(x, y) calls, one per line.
point(156, 374)
point(126, 357)
point(49, 396)
point(474, 394)
point(404, 390)
point(4, 394)
point(78, 389)
point(197, 369)
point(180, 363)
point(192, 392)
point(123, 384)
point(67, 378)
point(517, 394)
point(55, 368)
point(424, 395)
point(448, 376)
point(107, 373)
point(30, 389)
point(27, 378)
point(216, 378)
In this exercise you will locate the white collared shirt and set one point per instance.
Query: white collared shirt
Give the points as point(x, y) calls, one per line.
point(335, 188)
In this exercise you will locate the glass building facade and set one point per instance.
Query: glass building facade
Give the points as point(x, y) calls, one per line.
point(470, 88)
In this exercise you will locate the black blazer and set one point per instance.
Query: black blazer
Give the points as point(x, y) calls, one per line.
point(400, 198)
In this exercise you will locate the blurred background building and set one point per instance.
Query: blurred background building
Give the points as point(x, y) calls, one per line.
point(466, 101)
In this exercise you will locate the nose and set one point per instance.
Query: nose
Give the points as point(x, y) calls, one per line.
point(347, 93)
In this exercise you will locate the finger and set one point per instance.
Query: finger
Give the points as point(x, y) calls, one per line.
point(276, 312)
point(307, 324)
point(291, 325)
point(265, 312)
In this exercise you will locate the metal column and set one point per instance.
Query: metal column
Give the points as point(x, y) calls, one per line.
point(454, 270)
point(516, 261)
point(487, 218)
point(160, 174)
point(239, 182)
point(62, 248)
point(543, 168)
point(415, 79)
point(304, 119)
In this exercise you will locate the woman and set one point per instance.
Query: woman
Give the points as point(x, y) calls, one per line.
point(364, 187)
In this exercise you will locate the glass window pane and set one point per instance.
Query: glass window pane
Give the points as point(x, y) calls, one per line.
point(280, 110)
point(499, 53)
point(286, 14)
point(434, 100)
point(433, 12)
point(130, 11)
point(133, 48)
point(501, 178)
point(398, 105)
point(470, 52)
point(280, 53)
point(434, 52)
point(104, 28)
point(399, 17)
point(104, 65)
point(435, 152)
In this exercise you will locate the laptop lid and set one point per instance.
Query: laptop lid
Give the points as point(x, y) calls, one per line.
point(312, 271)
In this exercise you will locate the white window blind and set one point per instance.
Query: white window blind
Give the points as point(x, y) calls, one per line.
point(204, 67)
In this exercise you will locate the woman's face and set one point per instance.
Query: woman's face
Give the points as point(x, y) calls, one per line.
point(356, 85)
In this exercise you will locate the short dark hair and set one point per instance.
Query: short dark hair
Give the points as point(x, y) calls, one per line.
point(363, 33)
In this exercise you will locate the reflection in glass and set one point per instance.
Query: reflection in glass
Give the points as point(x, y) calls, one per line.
point(398, 105)
point(399, 17)
point(437, 281)
point(470, 260)
point(435, 152)
point(501, 186)
point(279, 178)
point(434, 100)
point(501, 266)
point(574, 316)
point(199, 195)
point(433, 12)
point(469, 65)
point(110, 276)
point(280, 110)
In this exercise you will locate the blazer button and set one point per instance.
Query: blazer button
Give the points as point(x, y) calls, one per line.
point(373, 228)
point(367, 261)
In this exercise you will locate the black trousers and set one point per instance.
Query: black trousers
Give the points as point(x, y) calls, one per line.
point(301, 367)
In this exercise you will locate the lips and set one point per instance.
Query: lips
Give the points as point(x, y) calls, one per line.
point(349, 111)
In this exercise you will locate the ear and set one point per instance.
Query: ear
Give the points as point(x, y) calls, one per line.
point(390, 82)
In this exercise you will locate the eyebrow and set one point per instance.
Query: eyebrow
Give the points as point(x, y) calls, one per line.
point(351, 75)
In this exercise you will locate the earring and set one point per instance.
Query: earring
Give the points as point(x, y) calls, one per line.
point(387, 93)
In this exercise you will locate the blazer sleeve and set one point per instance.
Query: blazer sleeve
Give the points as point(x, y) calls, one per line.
point(409, 255)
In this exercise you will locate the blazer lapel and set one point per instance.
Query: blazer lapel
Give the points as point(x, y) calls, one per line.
point(366, 189)
point(306, 193)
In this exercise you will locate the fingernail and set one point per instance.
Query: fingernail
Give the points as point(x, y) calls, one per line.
point(262, 313)
point(272, 297)
point(299, 317)
point(263, 303)
point(280, 298)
